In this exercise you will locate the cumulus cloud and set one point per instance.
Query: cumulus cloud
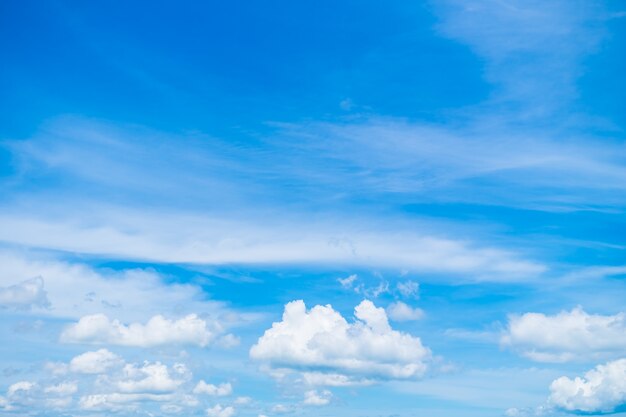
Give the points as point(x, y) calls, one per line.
point(96, 362)
point(317, 398)
point(99, 329)
point(20, 386)
point(219, 411)
point(214, 390)
point(601, 390)
point(25, 295)
point(566, 336)
point(321, 340)
point(110, 384)
point(150, 377)
point(400, 311)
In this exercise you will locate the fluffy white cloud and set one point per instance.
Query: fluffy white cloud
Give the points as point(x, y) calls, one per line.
point(321, 340)
point(318, 398)
point(601, 390)
point(219, 411)
point(399, 311)
point(20, 386)
point(99, 329)
point(566, 336)
point(215, 390)
point(96, 362)
point(26, 294)
point(150, 378)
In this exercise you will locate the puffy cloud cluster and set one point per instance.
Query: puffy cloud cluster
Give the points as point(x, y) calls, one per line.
point(99, 329)
point(151, 378)
point(566, 336)
point(24, 295)
point(317, 398)
point(220, 411)
point(322, 342)
point(213, 390)
point(400, 311)
point(101, 381)
point(601, 390)
point(93, 362)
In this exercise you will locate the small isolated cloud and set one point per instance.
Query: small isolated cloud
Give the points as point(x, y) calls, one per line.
point(243, 400)
point(99, 329)
point(601, 390)
point(219, 411)
point(25, 295)
point(409, 289)
point(317, 398)
point(321, 341)
point(348, 282)
point(400, 311)
point(96, 362)
point(566, 336)
point(281, 409)
point(214, 390)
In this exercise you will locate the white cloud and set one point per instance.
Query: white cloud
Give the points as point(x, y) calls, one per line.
point(64, 388)
point(281, 409)
point(148, 378)
point(409, 289)
point(601, 390)
point(243, 400)
point(219, 411)
point(58, 403)
point(321, 340)
point(75, 289)
point(20, 386)
point(117, 401)
point(95, 362)
point(399, 311)
point(347, 282)
point(186, 238)
point(317, 398)
point(26, 294)
point(566, 336)
point(215, 390)
point(99, 329)
point(332, 379)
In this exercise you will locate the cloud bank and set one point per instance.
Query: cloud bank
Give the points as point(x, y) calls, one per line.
point(323, 341)
point(566, 336)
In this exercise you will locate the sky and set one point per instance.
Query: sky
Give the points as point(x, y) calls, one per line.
point(313, 208)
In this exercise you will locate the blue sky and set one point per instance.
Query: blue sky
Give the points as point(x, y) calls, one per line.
point(313, 208)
